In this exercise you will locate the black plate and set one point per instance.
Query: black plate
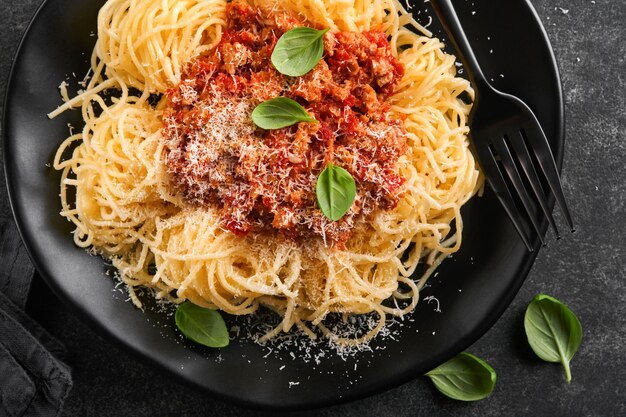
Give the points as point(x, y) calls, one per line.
point(474, 287)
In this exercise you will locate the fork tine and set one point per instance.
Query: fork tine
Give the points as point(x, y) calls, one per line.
point(496, 181)
point(511, 169)
point(534, 134)
point(521, 151)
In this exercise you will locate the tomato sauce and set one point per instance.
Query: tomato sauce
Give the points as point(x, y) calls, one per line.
point(265, 180)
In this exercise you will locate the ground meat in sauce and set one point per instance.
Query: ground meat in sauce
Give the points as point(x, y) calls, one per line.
point(265, 180)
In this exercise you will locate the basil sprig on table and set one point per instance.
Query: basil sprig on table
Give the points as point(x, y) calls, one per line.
point(464, 377)
point(202, 325)
point(553, 331)
point(279, 112)
point(335, 191)
point(298, 51)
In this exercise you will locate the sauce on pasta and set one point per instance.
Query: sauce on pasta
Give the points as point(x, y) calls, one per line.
point(265, 179)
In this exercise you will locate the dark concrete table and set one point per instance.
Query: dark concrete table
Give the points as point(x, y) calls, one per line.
point(587, 270)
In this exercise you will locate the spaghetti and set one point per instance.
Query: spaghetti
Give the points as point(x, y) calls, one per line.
point(128, 209)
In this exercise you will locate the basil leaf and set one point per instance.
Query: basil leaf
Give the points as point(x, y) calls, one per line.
point(202, 325)
point(335, 192)
point(553, 331)
point(298, 51)
point(279, 112)
point(464, 378)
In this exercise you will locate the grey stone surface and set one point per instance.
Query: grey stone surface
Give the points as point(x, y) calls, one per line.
point(586, 270)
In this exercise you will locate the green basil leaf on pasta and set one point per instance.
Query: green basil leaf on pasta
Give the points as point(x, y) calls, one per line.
point(335, 191)
point(298, 51)
point(553, 331)
point(464, 377)
point(202, 325)
point(279, 112)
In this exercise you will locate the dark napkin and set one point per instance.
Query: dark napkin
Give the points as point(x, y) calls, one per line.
point(34, 380)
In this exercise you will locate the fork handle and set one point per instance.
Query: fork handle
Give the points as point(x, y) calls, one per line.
point(450, 21)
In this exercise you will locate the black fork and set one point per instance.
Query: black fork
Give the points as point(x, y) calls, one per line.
point(504, 133)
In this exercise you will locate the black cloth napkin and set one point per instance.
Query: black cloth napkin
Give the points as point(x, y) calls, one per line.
point(34, 379)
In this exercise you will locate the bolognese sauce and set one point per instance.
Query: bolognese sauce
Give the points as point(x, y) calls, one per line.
point(265, 179)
